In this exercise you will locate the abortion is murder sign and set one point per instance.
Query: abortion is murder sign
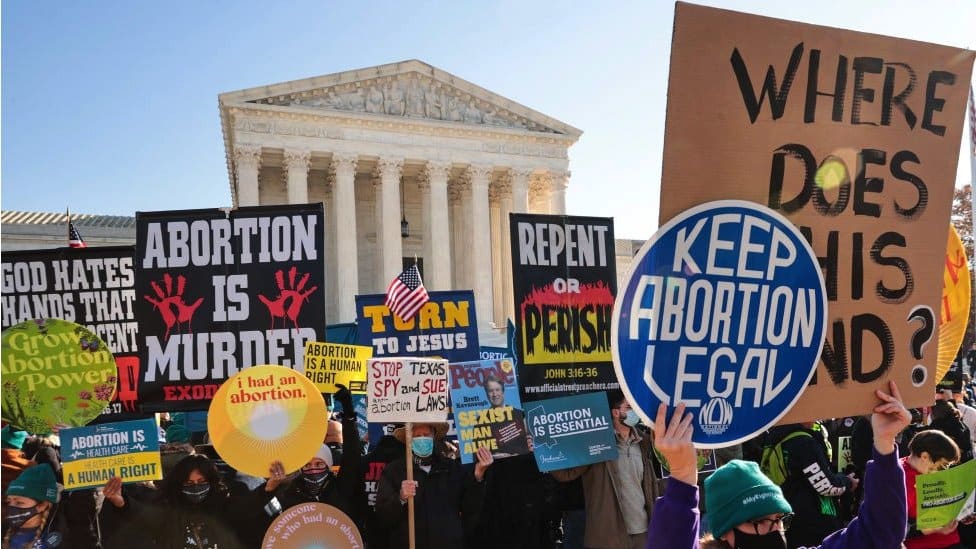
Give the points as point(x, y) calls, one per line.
point(854, 138)
point(218, 292)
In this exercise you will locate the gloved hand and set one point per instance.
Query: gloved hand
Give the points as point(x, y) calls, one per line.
point(344, 398)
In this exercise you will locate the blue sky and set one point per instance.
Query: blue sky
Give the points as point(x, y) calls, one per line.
point(111, 106)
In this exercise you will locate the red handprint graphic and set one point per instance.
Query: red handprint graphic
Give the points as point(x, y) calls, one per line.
point(290, 299)
point(171, 305)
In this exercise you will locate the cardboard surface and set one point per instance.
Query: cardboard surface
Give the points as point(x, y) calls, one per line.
point(876, 213)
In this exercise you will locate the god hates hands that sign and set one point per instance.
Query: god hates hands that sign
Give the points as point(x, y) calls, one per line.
point(218, 292)
point(402, 389)
point(565, 282)
point(854, 138)
point(725, 311)
point(444, 327)
point(94, 287)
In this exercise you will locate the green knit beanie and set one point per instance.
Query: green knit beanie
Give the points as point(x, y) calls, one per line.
point(738, 492)
point(13, 438)
point(36, 482)
point(177, 433)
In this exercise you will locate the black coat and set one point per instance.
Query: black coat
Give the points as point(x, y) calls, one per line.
point(519, 506)
point(447, 505)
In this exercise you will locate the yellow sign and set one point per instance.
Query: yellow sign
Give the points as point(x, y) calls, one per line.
point(954, 310)
point(331, 364)
point(267, 413)
point(95, 454)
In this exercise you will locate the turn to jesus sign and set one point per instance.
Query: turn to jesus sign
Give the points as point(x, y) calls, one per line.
point(725, 311)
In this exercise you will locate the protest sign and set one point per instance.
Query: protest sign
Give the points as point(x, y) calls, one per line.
point(570, 431)
point(403, 389)
point(218, 292)
point(312, 525)
point(444, 327)
point(944, 496)
point(854, 137)
point(495, 353)
point(845, 453)
point(264, 414)
point(94, 287)
point(92, 455)
point(565, 281)
point(725, 310)
point(954, 309)
point(56, 374)
point(487, 409)
point(331, 364)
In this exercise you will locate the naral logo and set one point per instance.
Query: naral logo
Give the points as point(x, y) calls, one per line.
point(715, 416)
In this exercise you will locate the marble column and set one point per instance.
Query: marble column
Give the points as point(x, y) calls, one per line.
point(456, 197)
point(495, 222)
point(344, 207)
point(559, 180)
point(247, 162)
point(513, 191)
point(437, 243)
point(539, 188)
point(296, 168)
point(391, 244)
point(479, 245)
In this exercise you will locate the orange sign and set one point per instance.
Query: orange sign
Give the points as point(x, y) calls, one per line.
point(312, 525)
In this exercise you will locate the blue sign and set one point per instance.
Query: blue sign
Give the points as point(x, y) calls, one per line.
point(93, 455)
point(445, 327)
point(487, 409)
point(725, 311)
point(496, 353)
point(571, 431)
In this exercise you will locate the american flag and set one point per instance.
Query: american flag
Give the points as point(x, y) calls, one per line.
point(406, 294)
point(74, 237)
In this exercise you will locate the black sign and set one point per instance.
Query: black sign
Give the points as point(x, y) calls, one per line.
point(219, 292)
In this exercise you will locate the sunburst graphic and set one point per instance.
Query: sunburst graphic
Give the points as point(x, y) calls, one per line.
point(954, 310)
point(267, 413)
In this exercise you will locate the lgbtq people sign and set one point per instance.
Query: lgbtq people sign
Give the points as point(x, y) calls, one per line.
point(725, 310)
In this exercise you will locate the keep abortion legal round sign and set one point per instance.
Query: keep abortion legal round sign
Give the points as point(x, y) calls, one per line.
point(725, 310)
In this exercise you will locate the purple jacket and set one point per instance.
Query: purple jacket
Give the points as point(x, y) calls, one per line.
point(880, 523)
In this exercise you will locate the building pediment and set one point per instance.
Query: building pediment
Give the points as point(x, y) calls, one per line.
point(410, 90)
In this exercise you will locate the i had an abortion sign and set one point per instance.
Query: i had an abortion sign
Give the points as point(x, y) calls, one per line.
point(725, 310)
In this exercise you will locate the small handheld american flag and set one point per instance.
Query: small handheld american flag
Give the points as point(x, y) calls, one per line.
point(74, 237)
point(406, 294)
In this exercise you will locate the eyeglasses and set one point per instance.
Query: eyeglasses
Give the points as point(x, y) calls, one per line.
point(767, 525)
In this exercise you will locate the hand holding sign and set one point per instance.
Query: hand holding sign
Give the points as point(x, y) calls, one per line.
point(673, 440)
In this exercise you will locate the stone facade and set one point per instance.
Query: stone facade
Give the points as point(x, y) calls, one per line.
point(400, 142)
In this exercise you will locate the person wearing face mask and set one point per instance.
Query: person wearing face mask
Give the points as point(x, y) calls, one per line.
point(30, 509)
point(315, 481)
point(194, 509)
point(448, 496)
point(746, 510)
point(618, 493)
point(931, 451)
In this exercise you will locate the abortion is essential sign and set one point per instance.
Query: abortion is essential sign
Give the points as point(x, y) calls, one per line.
point(725, 310)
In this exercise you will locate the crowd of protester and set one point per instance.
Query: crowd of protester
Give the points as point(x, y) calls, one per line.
point(203, 503)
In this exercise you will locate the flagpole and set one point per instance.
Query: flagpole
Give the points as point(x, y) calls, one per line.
point(411, 527)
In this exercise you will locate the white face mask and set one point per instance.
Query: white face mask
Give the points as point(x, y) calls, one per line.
point(631, 419)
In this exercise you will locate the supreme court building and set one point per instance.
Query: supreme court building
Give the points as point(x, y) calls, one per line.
point(409, 161)
point(380, 146)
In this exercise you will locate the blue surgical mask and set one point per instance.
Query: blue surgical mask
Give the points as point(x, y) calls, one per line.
point(422, 446)
point(631, 418)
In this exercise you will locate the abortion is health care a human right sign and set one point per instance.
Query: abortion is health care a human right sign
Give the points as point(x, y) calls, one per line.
point(725, 310)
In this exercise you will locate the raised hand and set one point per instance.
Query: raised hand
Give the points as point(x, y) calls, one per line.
point(889, 418)
point(485, 459)
point(113, 492)
point(276, 475)
point(673, 440)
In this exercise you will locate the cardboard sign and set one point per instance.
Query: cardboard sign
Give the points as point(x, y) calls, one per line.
point(219, 292)
point(565, 276)
point(445, 327)
point(92, 455)
point(56, 374)
point(944, 496)
point(402, 389)
point(725, 310)
point(94, 287)
point(487, 409)
point(267, 413)
point(331, 364)
point(854, 137)
point(956, 299)
point(309, 525)
point(571, 431)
